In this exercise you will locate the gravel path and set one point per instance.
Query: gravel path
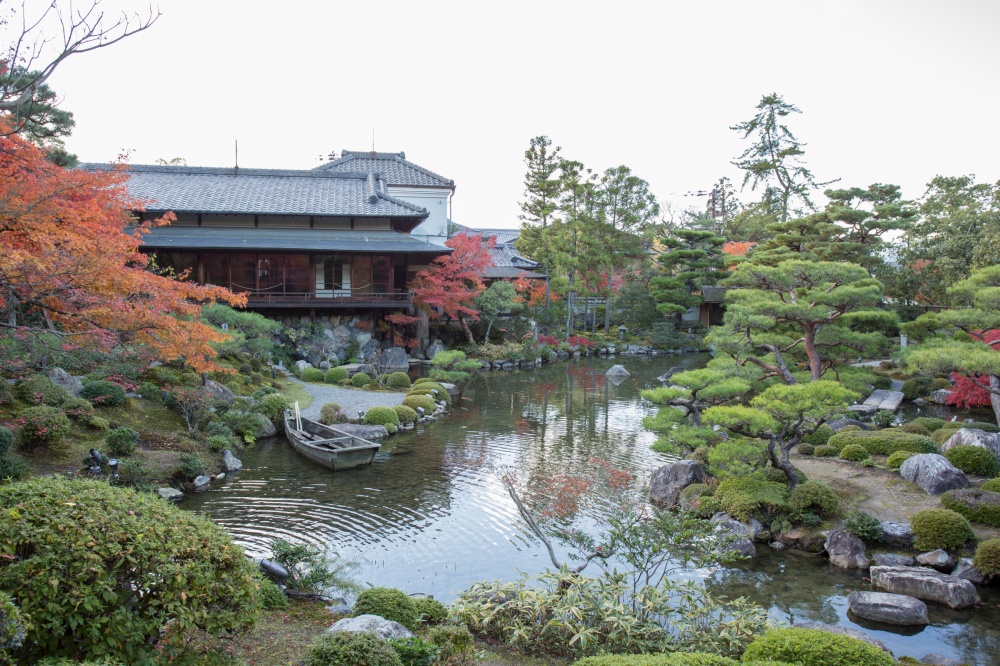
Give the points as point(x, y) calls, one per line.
point(351, 400)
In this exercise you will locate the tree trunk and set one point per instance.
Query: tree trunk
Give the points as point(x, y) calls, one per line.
point(468, 331)
point(995, 396)
point(778, 452)
point(815, 364)
point(489, 327)
point(569, 313)
point(607, 311)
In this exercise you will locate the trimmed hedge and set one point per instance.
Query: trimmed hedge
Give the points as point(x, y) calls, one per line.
point(361, 379)
point(381, 416)
point(915, 429)
point(854, 453)
point(806, 449)
point(312, 375)
point(987, 557)
point(940, 528)
point(397, 380)
point(348, 649)
point(103, 393)
point(405, 414)
point(744, 498)
point(815, 497)
point(884, 442)
point(974, 425)
point(666, 659)
point(815, 648)
point(388, 603)
point(932, 423)
point(415, 401)
point(336, 375)
point(974, 460)
point(979, 506)
point(826, 451)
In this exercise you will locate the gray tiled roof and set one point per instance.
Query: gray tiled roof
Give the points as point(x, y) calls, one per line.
point(509, 273)
point(393, 166)
point(506, 255)
point(264, 192)
point(317, 240)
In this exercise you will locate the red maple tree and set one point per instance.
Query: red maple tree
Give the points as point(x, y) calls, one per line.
point(966, 392)
point(446, 289)
point(72, 275)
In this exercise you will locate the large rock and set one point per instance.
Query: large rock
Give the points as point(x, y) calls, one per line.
point(220, 392)
point(394, 358)
point(617, 370)
point(741, 542)
point(837, 425)
point(171, 494)
point(846, 551)
point(302, 365)
point(888, 608)
point(201, 481)
point(667, 482)
point(62, 378)
point(937, 559)
point(266, 427)
point(967, 570)
point(892, 560)
point(844, 631)
point(933, 473)
point(433, 349)
point(939, 397)
point(374, 624)
point(369, 348)
point(926, 584)
point(969, 437)
point(897, 534)
point(935, 659)
point(231, 463)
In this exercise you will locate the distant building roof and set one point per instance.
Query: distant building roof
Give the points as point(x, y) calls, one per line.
point(317, 240)
point(393, 166)
point(264, 192)
point(508, 264)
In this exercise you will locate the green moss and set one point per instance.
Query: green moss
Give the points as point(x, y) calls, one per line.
point(336, 375)
point(979, 506)
point(749, 498)
point(940, 528)
point(974, 460)
point(361, 379)
point(897, 458)
point(854, 453)
point(884, 442)
point(815, 648)
point(987, 557)
point(389, 603)
point(815, 497)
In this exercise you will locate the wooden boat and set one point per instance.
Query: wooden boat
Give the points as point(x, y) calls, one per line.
point(326, 445)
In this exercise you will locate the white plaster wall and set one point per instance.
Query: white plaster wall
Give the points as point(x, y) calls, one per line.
point(435, 228)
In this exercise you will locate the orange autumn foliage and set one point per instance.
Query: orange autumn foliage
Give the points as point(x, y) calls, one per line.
point(737, 248)
point(71, 269)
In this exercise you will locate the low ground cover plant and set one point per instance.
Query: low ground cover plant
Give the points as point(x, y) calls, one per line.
point(816, 648)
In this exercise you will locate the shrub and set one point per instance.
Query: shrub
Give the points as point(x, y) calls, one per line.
point(39, 390)
point(974, 460)
point(312, 569)
point(79, 604)
point(6, 394)
point(435, 392)
point(346, 649)
point(272, 597)
point(897, 458)
point(917, 387)
point(993, 485)
point(397, 380)
point(932, 423)
point(103, 393)
point(361, 379)
point(416, 401)
point(336, 375)
point(122, 441)
point(6, 440)
point(422, 380)
point(78, 409)
point(820, 436)
point(330, 414)
point(451, 641)
point(414, 651)
point(379, 415)
point(915, 429)
point(13, 467)
point(987, 557)
point(852, 428)
point(262, 391)
point(405, 414)
point(815, 497)
point(189, 467)
point(826, 451)
point(979, 506)
point(311, 375)
point(806, 449)
point(344, 382)
point(43, 427)
point(854, 453)
point(749, 498)
point(431, 611)
point(134, 473)
point(272, 406)
point(940, 528)
point(884, 442)
point(389, 603)
point(218, 429)
point(865, 526)
point(974, 425)
point(942, 435)
point(218, 443)
point(13, 627)
point(816, 648)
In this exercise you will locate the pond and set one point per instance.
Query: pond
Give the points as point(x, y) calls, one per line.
point(430, 516)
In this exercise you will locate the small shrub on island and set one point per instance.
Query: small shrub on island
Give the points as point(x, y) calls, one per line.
point(397, 380)
point(336, 375)
point(122, 441)
point(349, 649)
point(826, 451)
point(854, 453)
point(389, 603)
point(383, 416)
point(361, 380)
point(103, 393)
point(974, 460)
point(311, 375)
point(405, 414)
point(815, 497)
point(331, 414)
point(39, 390)
point(897, 458)
point(816, 648)
point(43, 427)
point(865, 526)
point(189, 467)
point(806, 449)
point(940, 528)
point(415, 402)
point(987, 557)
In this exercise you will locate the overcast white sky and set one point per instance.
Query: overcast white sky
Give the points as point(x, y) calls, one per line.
point(891, 91)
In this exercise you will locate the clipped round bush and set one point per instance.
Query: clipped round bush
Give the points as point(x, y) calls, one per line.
point(271, 596)
point(865, 526)
point(6, 440)
point(389, 603)
point(897, 458)
point(854, 453)
point(940, 528)
point(311, 375)
point(272, 406)
point(397, 380)
point(39, 390)
point(349, 649)
point(815, 497)
point(993, 485)
point(361, 379)
point(451, 640)
point(78, 409)
point(745, 498)
point(189, 467)
point(434, 391)
point(431, 611)
point(884, 442)
point(85, 548)
point(806, 449)
point(851, 428)
point(122, 441)
point(405, 414)
point(826, 451)
point(974, 460)
point(816, 648)
point(422, 380)
point(820, 436)
point(379, 415)
point(103, 393)
point(43, 427)
point(915, 428)
point(336, 375)
point(416, 401)
point(331, 414)
point(987, 557)
point(942, 435)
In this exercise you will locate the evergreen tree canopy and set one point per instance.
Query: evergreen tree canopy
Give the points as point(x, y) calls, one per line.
point(690, 260)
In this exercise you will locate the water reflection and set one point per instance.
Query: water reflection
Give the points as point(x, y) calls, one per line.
point(429, 516)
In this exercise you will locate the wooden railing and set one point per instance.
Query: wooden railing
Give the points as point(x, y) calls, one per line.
point(392, 299)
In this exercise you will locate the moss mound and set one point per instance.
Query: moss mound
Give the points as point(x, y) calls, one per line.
point(816, 648)
point(979, 506)
point(397, 380)
point(854, 453)
point(940, 528)
point(884, 442)
point(389, 603)
point(974, 460)
point(744, 498)
point(405, 414)
point(987, 557)
point(361, 379)
point(336, 375)
point(815, 497)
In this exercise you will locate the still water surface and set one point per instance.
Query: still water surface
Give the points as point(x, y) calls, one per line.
point(430, 516)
